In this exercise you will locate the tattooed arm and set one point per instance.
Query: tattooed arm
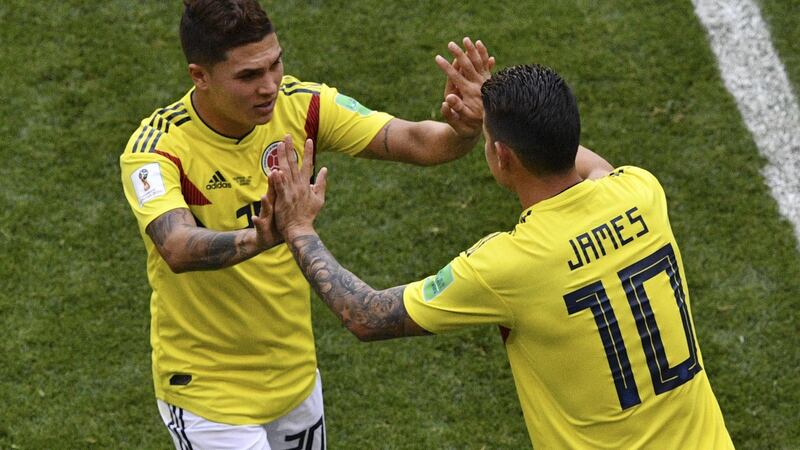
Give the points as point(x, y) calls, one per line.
point(187, 247)
point(367, 313)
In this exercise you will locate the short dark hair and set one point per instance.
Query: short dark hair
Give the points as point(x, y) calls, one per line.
point(532, 110)
point(209, 28)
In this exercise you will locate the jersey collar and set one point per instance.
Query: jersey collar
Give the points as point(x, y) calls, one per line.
point(210, 133)
point(564, 197)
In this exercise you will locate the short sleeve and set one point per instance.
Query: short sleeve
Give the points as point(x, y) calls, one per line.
point(454, 298)
point(152, 186)
point(642, 182)
point(346, 126)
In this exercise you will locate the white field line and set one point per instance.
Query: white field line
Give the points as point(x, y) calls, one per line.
point(753, 73)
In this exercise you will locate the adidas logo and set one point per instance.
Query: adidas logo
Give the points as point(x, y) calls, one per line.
point(218, 182)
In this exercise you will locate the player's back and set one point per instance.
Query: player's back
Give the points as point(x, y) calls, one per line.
point(603, 347)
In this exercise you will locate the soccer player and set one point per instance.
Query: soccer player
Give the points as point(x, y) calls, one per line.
point(233, 356)
point(588, 288)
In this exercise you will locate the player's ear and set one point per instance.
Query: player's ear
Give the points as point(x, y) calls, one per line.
point(199, 75)
point(505, 156)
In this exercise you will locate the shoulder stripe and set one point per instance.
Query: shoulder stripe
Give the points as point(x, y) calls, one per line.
point(299, 87)
point(301, 84)
point(155, 142)
point(139, 138)
point(160, 124)
point(300, 91)
point(151, 137)
point(172, 107)
point(164, 117)
point(617, 172)
point(148, 137)
point(149, 130)
point(176, 114)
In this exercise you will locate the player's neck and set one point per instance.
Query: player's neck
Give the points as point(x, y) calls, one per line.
point(215, 121)
point(531, 189)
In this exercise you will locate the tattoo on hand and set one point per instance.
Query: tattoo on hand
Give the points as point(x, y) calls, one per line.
point(368, 313)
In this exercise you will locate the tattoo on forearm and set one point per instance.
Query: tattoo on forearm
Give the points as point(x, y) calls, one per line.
point(203, 249)
point(212, 250)
point(161, 227)
point(386, 137)
point(376, 314)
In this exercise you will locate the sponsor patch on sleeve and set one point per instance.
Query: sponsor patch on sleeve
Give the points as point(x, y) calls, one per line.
point(435, 285)
point(352, 104)
point(147, 183)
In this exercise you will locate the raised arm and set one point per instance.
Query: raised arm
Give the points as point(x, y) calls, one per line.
point(590, 165)
point(430, 142)
point(425, 143)
point(368, 313)
point(187, 247)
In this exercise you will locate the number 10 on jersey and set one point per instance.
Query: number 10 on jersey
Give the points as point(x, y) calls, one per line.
point(594, 298)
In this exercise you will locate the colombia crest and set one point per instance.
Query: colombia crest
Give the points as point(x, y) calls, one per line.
point(269, 157)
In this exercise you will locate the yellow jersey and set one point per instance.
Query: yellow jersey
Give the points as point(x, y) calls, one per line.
point(233, 345)
point(591, 297)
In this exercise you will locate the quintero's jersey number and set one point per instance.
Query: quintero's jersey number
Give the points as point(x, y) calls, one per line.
point(633, 277)
point(249, 210)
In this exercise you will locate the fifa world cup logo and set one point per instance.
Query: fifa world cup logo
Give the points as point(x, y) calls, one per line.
point(143, 177)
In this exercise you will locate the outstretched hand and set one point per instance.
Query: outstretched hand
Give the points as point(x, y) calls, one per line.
point(462, 107)
point(297, 202)
point(267, 235)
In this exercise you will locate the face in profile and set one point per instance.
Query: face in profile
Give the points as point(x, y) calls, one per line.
point(242, 91)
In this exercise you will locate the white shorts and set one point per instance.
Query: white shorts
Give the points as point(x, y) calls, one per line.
point(302, 428)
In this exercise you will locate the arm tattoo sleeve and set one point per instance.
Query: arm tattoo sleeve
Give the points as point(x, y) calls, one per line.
point(163, 225)
point(368, 313)
point(201, 249)
point(215, 250)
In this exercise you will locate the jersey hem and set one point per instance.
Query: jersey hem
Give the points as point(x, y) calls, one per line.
point(234, 419)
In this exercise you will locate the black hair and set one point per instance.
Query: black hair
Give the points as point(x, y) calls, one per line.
point(532, 110)
point(209, 28)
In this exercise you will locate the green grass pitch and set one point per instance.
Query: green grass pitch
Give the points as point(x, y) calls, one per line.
point(76, 77)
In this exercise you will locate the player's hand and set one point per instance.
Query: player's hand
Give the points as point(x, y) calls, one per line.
point(297, 202)
point(462, 107)
point(267, 235)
